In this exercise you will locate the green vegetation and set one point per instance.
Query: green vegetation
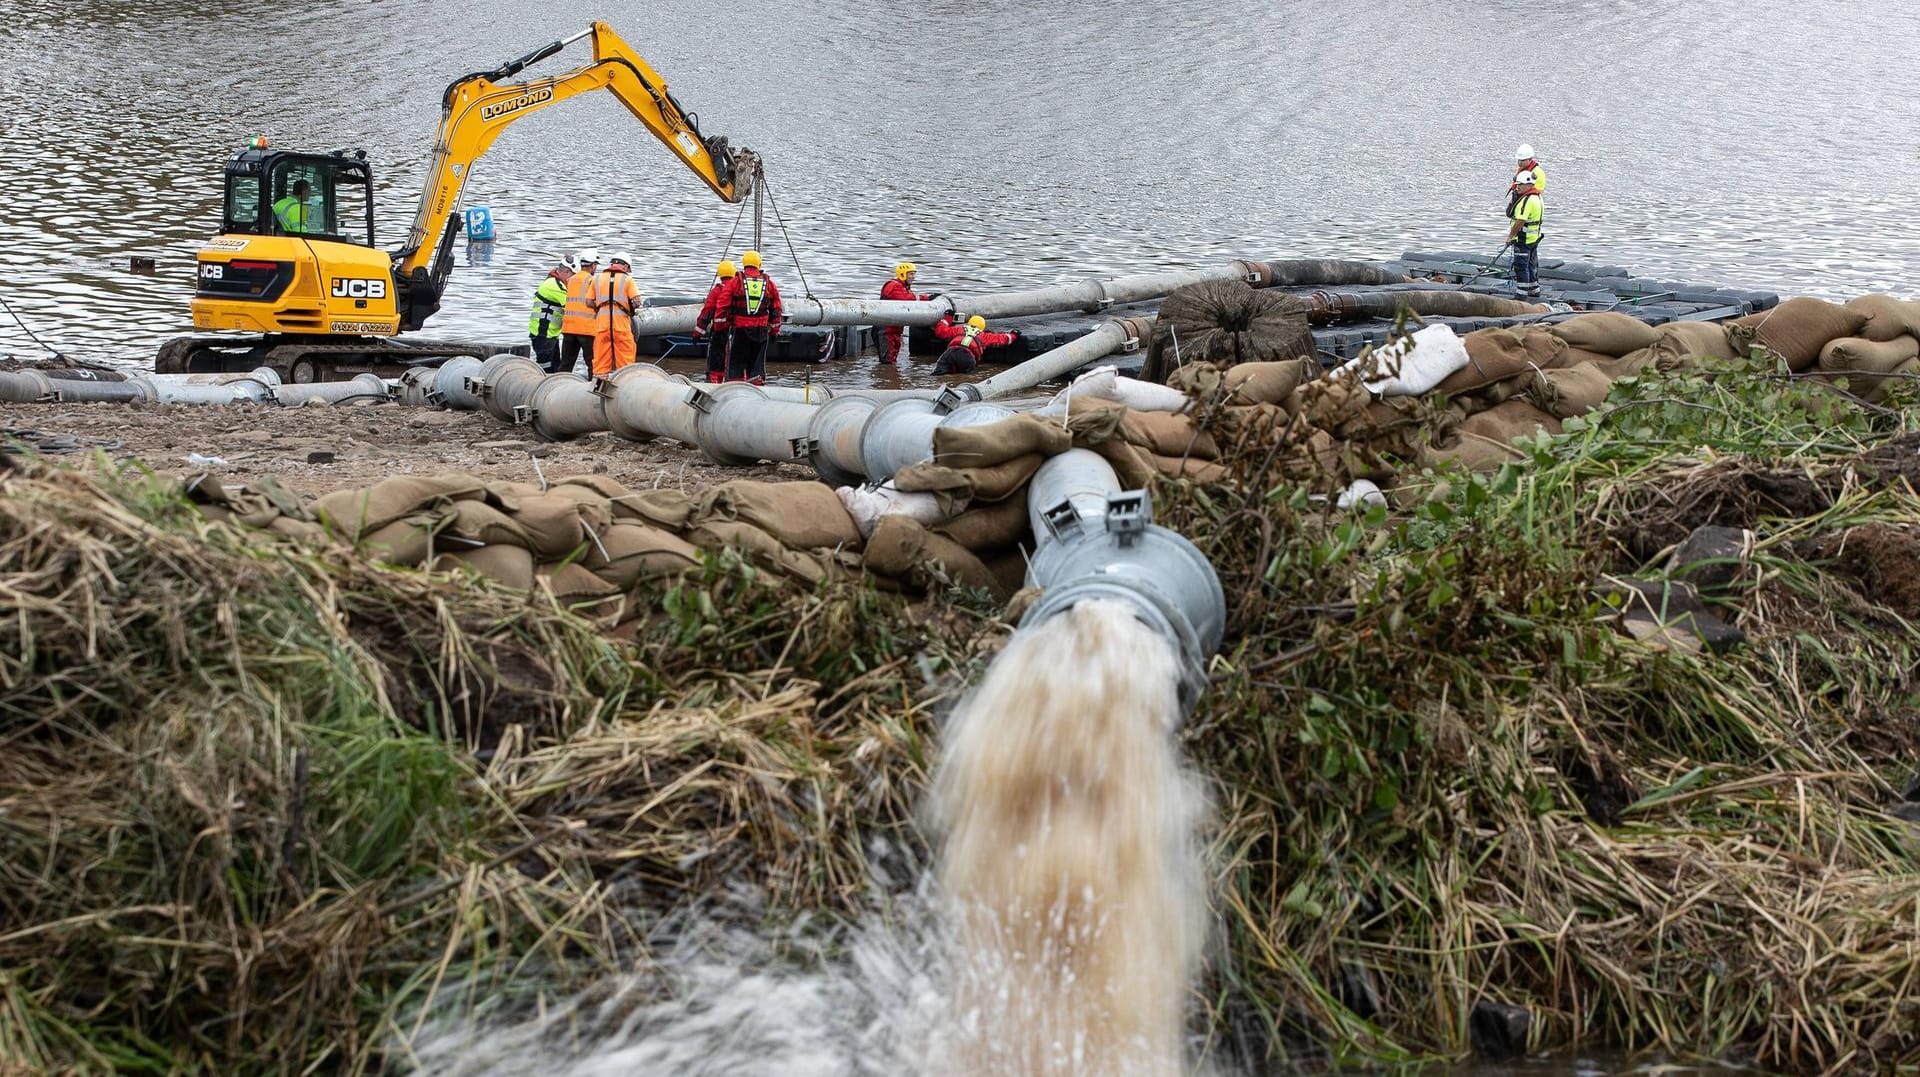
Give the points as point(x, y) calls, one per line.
point(262, 809)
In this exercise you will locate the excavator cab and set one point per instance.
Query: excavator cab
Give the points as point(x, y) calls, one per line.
point(325, 196)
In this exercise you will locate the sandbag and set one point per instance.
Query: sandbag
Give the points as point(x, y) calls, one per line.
point(1485, 441)
point(300, 530)
point(1546, 351)
point(989, 526)
point(1268, 383)
point(577, 588)
point(902, 549)
point(1644, 361)
point(759, 548)
point(1566, 393)
point(478, 521)
point(510, 566)
point(998, 442)
point(556, 525)
point(1493, 355)
point(1009, 571)
point(506, 495)
point(627, 553)
point(1858, 354)
point(1576, 356)
point(407, 542)
point(801, 515)
point(671, 509)
point(958, 486)
point(1887, 318)
point(867, 504)
point(1607, 332)
point(1797, 329)
point(1167, 434)
point(353, 513)
point(1705, 339)
point(1411, 365)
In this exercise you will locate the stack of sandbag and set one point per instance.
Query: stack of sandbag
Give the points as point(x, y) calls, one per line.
point(1798, 329)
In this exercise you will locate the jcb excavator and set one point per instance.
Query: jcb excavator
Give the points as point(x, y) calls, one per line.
point(295, 260)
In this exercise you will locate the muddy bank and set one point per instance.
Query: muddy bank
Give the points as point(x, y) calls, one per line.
point(316, 449)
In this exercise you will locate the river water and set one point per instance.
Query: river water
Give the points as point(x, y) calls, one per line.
point(997, 143)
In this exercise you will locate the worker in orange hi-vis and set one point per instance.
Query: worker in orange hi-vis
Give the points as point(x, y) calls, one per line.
point(614, 298)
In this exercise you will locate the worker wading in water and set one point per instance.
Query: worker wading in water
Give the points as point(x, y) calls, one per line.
point(900, 290)
point(576, 329)
point(549, 308)
point(966, 344)
point(754, 309)
point(614, 298)
point(1524, 233)
point(716, 318)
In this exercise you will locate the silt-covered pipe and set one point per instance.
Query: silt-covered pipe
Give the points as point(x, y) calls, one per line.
point(359, 387)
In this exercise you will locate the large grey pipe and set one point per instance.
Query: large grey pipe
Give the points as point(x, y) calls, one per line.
point(1119, 335)
point(738, 423)
point(1112, 550)
point(562, 407)
point(361, 387)
point(1088, 295)
point(452, 382)
point(643, 402)
point(505, 382)
point(832, 442)
point(899, 434)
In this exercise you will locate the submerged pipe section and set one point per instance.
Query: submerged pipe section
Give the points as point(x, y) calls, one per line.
point(1091, 296)
point(1095, 547)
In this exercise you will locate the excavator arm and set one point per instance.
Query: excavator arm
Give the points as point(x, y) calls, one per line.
point(479, 106)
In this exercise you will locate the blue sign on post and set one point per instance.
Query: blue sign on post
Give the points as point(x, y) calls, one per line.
point(479, 223)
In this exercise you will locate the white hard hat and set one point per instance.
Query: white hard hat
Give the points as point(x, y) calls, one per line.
point(1524, 153)
point(590, 256)
point(1523, 178)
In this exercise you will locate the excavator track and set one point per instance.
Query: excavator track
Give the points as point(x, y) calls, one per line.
point(301, 362)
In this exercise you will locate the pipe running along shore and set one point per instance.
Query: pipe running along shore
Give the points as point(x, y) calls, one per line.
point(1089, 295)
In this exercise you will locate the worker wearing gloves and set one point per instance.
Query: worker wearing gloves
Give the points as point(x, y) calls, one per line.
point(614, 297)
point(715, 319)
point(1523, 231)
point(899, 289)
point(754, 313)
point(549, 307)
point(965, 345)
point(576, 328)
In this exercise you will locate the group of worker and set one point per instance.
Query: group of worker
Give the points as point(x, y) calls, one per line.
point(583, 311)
point(1526, 205)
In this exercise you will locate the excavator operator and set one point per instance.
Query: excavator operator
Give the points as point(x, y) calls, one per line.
point(294, 212)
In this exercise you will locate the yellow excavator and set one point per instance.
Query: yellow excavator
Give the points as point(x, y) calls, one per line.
point(295, 263)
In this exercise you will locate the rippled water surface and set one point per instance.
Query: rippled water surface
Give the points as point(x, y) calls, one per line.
point(996, 142)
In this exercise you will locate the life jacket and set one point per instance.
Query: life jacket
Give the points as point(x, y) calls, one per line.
point(614, 297)
point(970, 340)
point(579, 311)
point(755, 301)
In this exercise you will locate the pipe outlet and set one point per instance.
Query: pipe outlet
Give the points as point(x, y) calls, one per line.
point(832, 442)
point(504, 383)
point(450, 384)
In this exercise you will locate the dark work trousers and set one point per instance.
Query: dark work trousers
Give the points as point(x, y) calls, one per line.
point(546, 352)
point(955, 361)
point(747, 355)
point(575, 347)
point(717, 355)
point(1526, 265)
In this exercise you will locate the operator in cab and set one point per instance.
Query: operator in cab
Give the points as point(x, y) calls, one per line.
point(294, 212)
point(755, 314)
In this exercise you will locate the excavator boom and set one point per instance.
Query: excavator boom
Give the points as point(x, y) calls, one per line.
point(479, 106)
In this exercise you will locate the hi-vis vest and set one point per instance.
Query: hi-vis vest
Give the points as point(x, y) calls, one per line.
point(295, 216)
point(753, 293)
point(549, 305)
point(613, 291)
point(970, 340)
point(579, 313)
point(1529, 211)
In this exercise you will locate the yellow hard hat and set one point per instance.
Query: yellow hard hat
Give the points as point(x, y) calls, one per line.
point(726, 270)
point(750, 259)
point(903, 269)
point(976, 322)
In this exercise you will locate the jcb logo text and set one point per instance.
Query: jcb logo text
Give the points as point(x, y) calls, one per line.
point(351, 288)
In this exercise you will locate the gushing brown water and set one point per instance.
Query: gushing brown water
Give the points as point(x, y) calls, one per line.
point(1068, 859)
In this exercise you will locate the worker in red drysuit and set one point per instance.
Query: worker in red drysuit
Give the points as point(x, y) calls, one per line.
point(716, 318)
point(754, 314)
point(899, 289)
point(965, 347)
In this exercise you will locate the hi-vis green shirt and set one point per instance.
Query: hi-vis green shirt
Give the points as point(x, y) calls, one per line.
point(1528, 213)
